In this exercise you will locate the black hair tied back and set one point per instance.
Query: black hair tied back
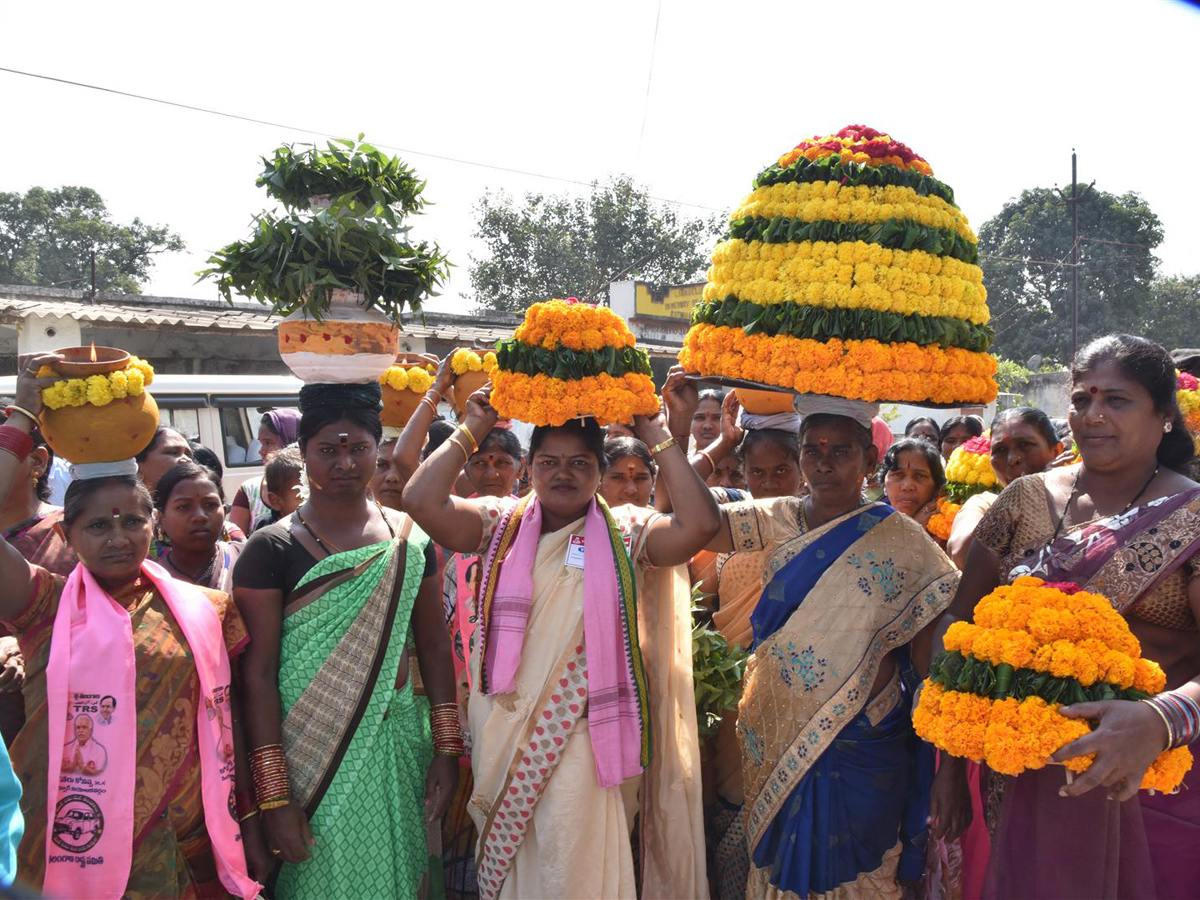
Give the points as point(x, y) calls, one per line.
point(323, 404)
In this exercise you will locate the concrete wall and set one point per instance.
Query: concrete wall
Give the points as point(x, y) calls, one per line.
point(1049, 392)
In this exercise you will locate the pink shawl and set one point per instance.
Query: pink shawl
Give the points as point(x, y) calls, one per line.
point(90, 848)
point(614, 716)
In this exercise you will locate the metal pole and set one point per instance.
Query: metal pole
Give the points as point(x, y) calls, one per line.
point(1074, 259)
point(92, 298)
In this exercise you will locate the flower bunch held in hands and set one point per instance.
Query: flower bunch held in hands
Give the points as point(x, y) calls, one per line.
point(994, 694)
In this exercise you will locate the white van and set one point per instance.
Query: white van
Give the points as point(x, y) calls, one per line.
point(222, 412)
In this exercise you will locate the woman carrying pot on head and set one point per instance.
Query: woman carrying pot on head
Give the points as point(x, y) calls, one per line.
point(162, 819)
point(560, 702)
point(1126, 524)
point(1023, 442)
point(276, 429)
point(336, 596)
point(836, 793)
point(191, 514)
point(913, 477)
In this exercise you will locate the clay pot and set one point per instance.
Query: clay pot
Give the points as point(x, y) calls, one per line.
point(466, 384)
point(766, 403)
point(83, 362)
point(398, 406)
point(93, 434)
point(351, 345)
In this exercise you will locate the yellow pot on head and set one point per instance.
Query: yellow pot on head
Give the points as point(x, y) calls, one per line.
point(94, 434)
point(766, 403)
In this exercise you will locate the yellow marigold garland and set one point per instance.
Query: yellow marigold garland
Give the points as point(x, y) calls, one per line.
point(1034, 625)
point(850, 275)
point(98, 390)
point(859, 370)
point(407, 378)
point(1189, 404)
point(817, 201)
point(465, 360)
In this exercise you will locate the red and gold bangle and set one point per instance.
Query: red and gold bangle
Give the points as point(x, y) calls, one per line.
point(12, 408)
point(15, 441)
point(447, 730)
point(268, 767)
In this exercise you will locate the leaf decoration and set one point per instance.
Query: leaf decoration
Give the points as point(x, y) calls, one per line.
point(565, 363)
point(895, 234)
point(831, 168)
point(957, 672)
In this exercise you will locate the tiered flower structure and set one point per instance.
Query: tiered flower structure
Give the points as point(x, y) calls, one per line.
point(570, 359)
point(98, 390)
point(1189, 404)
point(850, 271)
point(994, 694)
point(969, 472)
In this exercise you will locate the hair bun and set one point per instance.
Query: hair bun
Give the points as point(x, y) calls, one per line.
point(366, 396)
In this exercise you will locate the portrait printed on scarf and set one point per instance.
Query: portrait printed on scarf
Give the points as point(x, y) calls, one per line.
point(84, 755)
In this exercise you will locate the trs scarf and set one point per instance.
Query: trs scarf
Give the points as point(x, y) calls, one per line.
point(90, 849)
point(618, 712)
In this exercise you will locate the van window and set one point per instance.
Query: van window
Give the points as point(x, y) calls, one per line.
point(239, 432)
point(185, 421)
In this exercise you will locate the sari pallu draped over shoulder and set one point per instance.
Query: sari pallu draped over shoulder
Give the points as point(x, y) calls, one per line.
point(836, 783)
point(357, 749)
point(1047, 846)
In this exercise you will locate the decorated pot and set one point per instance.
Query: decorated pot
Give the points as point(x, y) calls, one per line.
point(399, 405)
point(118, 429)
point(351, 345)
point(467, 384)
point(766, 403)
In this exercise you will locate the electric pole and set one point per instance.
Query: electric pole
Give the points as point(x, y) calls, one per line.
point(1073, 202)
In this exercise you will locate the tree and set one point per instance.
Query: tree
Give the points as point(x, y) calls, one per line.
point(559, 245)
point(47, 238)
point(1174, 311)
point(1025, 252)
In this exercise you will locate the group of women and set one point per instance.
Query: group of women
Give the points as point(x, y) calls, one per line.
point(421, 640)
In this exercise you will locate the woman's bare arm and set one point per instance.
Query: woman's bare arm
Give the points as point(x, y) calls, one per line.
point(407, 455)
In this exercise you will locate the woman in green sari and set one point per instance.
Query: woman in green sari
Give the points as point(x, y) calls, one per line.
point(329, 595)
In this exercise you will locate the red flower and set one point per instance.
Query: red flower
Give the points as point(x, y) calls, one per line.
point(1188, 382)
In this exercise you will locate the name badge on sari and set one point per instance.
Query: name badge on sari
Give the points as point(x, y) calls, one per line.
point(576, 545)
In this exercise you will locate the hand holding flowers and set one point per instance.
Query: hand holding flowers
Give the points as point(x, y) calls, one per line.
point(1125, 740)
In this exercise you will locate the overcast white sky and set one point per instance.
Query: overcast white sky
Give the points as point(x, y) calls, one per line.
point(994, 96)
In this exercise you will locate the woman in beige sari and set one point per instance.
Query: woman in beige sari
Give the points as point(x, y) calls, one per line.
point(581, 710)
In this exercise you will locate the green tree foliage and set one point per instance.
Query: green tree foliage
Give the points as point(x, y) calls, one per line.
point(547, 246)
point(1173, 316)
point(1030, 298)
point(47, 237)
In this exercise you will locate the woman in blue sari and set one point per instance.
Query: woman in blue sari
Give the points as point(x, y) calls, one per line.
point(836, 782)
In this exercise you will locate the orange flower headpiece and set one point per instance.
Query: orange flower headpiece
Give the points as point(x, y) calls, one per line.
point(570, 359)
point(1034, 646)
point(849, 270)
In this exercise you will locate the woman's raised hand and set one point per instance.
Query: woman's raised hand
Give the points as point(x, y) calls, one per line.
point(480, 417)
point(28, 394)
point(680, 399)
point(731, 430)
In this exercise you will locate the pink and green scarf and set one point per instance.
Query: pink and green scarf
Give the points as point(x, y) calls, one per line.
point(618, 713)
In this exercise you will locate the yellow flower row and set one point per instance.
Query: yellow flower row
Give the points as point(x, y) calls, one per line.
point(542, 400)
point(1049, 615)
point(1013, 736)
point(848, 275)
point(861, 370)
point(970, 468)
point(830, 201)
point(98, 390)
point(465, 360)
point(407, 378)
point(577, 326)
point(1088, 661)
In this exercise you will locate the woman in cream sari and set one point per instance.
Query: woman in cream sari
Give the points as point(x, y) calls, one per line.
point(578, 689)
point(835, 783)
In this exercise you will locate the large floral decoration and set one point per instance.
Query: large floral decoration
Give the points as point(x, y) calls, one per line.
point(570, 359)
point(850, 271)
point(994, 694)
point(98, 390)
point(1189, 404)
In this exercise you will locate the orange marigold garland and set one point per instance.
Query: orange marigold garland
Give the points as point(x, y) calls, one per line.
point(968, 472)
point(571, 359)
point(994, 695)
point(1189, 404)
point(852, 223)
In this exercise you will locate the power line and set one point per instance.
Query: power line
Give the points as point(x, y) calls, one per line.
point(325, 134)
point(649, 78)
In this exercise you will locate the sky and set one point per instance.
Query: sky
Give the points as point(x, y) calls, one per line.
point(692, 98)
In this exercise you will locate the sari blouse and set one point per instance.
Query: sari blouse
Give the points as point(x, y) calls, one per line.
point(171, 849)
point(1020, 523)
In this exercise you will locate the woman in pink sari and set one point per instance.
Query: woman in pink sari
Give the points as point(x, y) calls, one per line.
point(1125, 524)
